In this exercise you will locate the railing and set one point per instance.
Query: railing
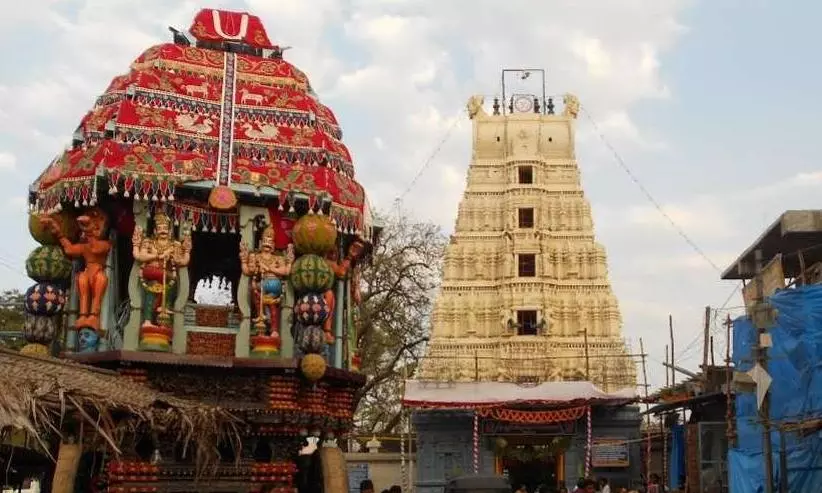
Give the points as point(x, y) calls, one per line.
point(515, 104)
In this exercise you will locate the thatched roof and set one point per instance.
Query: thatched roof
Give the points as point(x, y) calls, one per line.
point(39, 394)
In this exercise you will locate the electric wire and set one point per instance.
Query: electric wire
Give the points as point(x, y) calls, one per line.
point(647, 194)
point(430, 159)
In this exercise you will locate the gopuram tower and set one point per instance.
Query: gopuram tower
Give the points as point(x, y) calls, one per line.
point(525, 294)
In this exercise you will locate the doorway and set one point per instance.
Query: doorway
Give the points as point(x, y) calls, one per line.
point(532, 461)
point(532, 473)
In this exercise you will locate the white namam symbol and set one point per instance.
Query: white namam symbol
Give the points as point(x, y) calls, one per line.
point(218, 27)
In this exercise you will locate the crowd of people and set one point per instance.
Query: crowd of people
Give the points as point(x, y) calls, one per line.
point(367, 486)
point(584, 485)
point(602, 485)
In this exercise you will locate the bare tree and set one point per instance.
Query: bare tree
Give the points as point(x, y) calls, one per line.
point(397, 297)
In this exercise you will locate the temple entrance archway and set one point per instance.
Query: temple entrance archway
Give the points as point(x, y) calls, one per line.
point(532, 473)
point(532, 461)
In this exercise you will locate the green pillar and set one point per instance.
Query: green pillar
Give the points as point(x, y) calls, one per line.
point(286, 313)
point(339, 310)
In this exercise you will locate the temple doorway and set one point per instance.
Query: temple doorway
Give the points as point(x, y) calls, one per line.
point(532, 461)
point(532, 473)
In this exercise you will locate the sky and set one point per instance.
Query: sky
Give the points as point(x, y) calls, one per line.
point(711, 105)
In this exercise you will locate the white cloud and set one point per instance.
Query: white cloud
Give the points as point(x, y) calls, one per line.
point(8, 161)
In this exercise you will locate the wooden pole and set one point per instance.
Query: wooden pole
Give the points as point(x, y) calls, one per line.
point(713, 362)
point(762, 360)
point(587, 360)
point(647, 416)
point(673, 362)
point(706, 338)
point(667, 373)
point(65, 471)
point(730, 433)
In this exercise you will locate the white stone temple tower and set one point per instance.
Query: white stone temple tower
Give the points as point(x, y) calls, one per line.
point(524, 277)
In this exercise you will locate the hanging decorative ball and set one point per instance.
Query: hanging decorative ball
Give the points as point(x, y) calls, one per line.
point(68, 227)
point(311, 309)
point(501, 443)
point(87, 340)
point(222, 198)
point(38, 329)
point(311, 274)
point(313, 367)
point(310, 338)
point(47, 263)
point(315, 234)
point(45, 299)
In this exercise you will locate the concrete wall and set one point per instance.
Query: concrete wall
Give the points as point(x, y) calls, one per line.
point(384, 469)
point(622, 423)
point(445, 449)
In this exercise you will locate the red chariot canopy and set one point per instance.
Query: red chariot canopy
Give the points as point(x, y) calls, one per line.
point(168, 119)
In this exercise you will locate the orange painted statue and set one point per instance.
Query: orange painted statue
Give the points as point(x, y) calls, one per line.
point(341, 269)
point(267, 269)
point(93, 249)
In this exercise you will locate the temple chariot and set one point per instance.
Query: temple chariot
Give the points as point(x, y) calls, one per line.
point(211, 161)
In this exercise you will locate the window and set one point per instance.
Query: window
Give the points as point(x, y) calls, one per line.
point(526, 218)
point(526, 175)
point(527, 323)
point(527, 265)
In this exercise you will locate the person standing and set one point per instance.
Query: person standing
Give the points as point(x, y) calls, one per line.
point(366, 486)
point(604, 487)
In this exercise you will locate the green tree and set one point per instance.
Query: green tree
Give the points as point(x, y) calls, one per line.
point(398, 288)
point(12, 318)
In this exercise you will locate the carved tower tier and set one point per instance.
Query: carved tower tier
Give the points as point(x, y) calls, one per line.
point(525, 284)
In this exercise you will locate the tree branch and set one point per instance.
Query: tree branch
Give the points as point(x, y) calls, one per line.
point(388, 371)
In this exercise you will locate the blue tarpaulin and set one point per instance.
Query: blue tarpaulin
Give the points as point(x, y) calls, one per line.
point(795, 364)
point(677, 474)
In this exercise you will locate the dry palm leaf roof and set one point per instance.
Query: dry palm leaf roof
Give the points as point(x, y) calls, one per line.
point(37, 395)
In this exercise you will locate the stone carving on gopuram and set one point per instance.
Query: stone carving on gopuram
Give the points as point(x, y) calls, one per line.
point(524, 278)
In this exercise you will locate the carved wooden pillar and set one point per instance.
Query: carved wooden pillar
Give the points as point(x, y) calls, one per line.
point(107, 309)
point(179, 341)
point(242, 342)
point(131, 332)
point(341, 307)
point(286, 319)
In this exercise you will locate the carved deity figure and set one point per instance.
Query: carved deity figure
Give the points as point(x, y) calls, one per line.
point(160, 257)
point(93, 249)
point(571, 105)
point(479, 262)
point(474, 106)
point(267, 268)
point(341, 268)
